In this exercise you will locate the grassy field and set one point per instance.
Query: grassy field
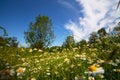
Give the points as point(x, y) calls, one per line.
point(77, 64)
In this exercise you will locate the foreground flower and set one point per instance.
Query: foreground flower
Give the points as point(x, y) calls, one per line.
point(20, 71)
point(93, 70)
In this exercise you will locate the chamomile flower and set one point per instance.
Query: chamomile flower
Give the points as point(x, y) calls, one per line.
point(93, 70)
point(20, 71)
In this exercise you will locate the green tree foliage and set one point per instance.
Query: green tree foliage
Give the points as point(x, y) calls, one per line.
point(81, 43)
point(7, 41)
point(102, 32)
point(103, 36)
point(117, 28)
point(115, 34)
point(40, 32)
point(69, 42)
point(93, 37)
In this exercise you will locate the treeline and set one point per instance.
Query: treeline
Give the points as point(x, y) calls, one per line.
point(40, 35)
point(101, 40)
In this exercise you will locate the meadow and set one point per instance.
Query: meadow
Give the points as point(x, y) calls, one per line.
point(78, 63)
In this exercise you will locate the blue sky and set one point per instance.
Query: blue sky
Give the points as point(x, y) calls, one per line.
point(77, 17)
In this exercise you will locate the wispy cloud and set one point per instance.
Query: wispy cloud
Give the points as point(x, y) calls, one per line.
point(97, 14)
point(68, 5)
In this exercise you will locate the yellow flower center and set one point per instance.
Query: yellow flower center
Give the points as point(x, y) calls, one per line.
point(92, 68)
point(20, 70)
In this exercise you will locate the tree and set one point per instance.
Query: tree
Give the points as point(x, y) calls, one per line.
point(69, 42)
point(5, 32)
point(12, 42)
point(40, 32)
point(102, 32)
point(93, 37)
point(82, 43)
point(115, 34)
point(7, 41)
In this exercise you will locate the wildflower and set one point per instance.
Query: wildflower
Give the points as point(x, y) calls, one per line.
point(76, 78)
point(30, 50)
point(91, 78)
point(40, 50)
point(75, 48)
point(101, 76)
point(20, 71)
point(48, 74)
point(12, 72)
point(97, 65)
point(116, 70)
point(35, 49)
point(72, 65)
point(25, 64)
point(93, 70)
point(83, 56)
point(77, 55)
point(66, 60)
point(100, 61)
point(112, 63)
point(90, 61)
point(117, 61)
point(79, 78)
point(33, 78)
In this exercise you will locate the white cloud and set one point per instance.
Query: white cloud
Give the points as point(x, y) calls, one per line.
point(68, 5)
point(97, 14)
